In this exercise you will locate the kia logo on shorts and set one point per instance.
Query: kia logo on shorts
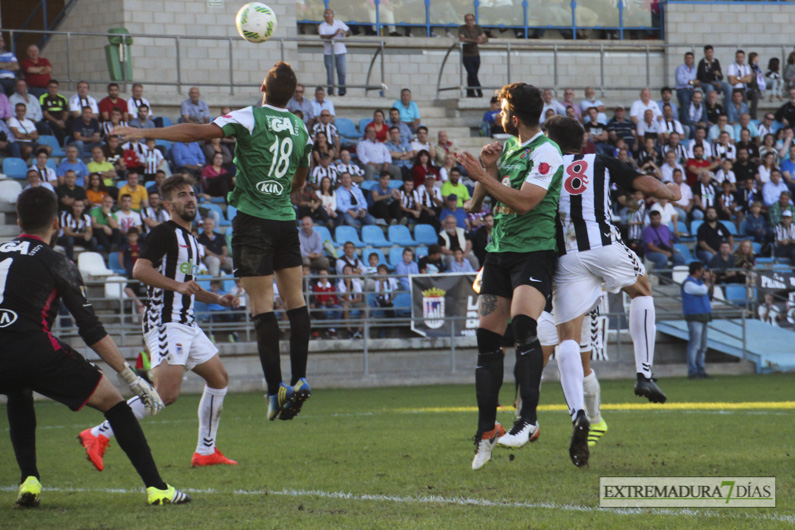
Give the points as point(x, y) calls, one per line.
point(270, 187)
point(7, 317)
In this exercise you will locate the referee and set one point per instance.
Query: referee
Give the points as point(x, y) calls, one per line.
point(33, 280)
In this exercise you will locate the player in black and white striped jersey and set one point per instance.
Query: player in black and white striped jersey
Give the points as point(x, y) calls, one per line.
point(591, 253)
point(168, 264)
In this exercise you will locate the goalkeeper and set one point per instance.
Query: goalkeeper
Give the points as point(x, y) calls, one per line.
point(33, 280)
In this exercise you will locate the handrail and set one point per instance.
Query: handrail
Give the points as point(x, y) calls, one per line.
point(441, 70)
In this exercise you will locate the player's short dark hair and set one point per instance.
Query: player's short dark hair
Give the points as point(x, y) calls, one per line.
point(422, 128)
point(566, 132)
point(695, 266)
point(654, 213)
point(524, 101)
point(41, 150)
point(434, 249)
point(111, 85)
point(395, 109)
point(125, 196)
point(53, 82)
point(395, 128)
point(384, 173)
point(708, 47)
point(116, 109)
point(20, 104)
point(666, 89)
point(36, 208)
point(280, 84)
point(173, 182)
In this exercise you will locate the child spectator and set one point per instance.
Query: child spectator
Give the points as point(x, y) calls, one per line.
point(459, 264)
point(126, 217)
point(406, 267)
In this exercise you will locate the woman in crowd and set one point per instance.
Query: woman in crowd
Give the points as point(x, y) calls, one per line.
point(96, 190)
point(215, 146)
point(216, 180)
point(381, 128)
point(422, 166)
point(328, 199)
point(322, 146)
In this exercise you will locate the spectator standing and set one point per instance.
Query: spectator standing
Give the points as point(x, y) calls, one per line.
point(471, 35)
point(8, 68)
point(351, 203)
point(216, 252)
point(741, 76)
point(113, 101)
point(659, 243)
point(710, 235)
point(757, 85)
point(299, 102)
point(686, 83)
point(193, 109)
point(55, 110)
point(136, 101)
point(785, 237)
point(83, 99)
point(409, 112)
point(697, 290)
point(311, 246)
point(333, 32)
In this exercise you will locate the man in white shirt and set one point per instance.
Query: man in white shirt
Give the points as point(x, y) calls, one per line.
point(550, 103)
point(591, 101)
point(375, 157)
point(24, 131)
point(740, 73)
point(771, 191)
point(299, 102)
point(32, 106)
point(422, 142)
point(136, 101)
point(640, 106)
point(670, 165)
point(332, 32)
point(347, 165)
point(83, 99)
point(320, 103)
point(684, 205)
point(34, 181)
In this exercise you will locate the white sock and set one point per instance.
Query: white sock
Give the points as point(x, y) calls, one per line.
point(570, 367)
point(210, 407)
point(642, 328)
point(593, 397)
point(138, 408)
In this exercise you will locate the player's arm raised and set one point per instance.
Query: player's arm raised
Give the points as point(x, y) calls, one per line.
point(489, 156)
point(653, 187)
point(182, 132)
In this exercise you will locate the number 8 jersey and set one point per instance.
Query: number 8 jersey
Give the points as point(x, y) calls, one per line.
point(584, 212)
point(272, 143)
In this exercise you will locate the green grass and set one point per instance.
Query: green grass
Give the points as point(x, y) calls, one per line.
point(368, 442)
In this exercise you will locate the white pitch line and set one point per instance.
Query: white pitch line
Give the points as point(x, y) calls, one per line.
point(438, 499)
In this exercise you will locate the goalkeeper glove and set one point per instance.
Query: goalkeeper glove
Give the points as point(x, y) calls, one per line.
point(144, 390)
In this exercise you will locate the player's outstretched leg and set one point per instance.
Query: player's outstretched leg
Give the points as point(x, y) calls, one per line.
point(22, 428)
point(267, 328)
point(529, 366)
point(299, 352)
point(96, 440)
point(488, 380)
point(642, 328)
point(593, 401)
point(578, 449)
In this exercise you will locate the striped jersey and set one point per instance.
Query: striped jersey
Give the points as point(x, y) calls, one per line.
point(78, 225)
point(784, 233)
point(175, 254)
point(584, 221)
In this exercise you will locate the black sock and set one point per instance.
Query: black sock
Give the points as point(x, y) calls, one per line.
point(268, 347)
point(529, 365)
point(22, 427)
point(133, 442)
point(299, 342)
point(488, 377)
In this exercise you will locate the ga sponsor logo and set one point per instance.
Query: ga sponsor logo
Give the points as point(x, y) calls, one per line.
point(278, 124)
point(7, 317)
point(270, 187)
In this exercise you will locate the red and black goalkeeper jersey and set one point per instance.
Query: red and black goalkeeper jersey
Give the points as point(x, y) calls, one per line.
point(33, 280)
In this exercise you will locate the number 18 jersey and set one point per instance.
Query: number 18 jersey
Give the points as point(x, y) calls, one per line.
point(584, 213)
point(272, 143)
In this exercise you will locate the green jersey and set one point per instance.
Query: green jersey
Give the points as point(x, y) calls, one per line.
point(539, 162)
point(272, 143)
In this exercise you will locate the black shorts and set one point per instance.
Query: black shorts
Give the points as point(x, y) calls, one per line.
point(260, 246)
point(505, 271)
point(41, 363)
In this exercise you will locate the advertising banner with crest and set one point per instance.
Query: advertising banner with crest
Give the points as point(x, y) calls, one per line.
point(439, 299)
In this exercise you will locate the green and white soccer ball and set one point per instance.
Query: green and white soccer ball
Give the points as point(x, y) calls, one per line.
point(256, 22)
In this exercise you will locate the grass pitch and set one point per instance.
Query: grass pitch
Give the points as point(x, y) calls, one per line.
point(400, 457)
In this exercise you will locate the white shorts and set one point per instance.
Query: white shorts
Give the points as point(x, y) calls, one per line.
point(548, 332)
point(179, 345)
point(580, 275)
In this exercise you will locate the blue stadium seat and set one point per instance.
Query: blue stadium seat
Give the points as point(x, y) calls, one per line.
point(743, 227)
point(373, 235)
point(425, 234)
point(362, 124)
point(164, 143)
point(217, 213)
point(115, 264)
point(400, 235)
point(395, 184)
point(694, 226)
point(402, 304)
point(730, 227)
point(51, 141)
point(165, 120)
point(762, 260)
point(120, 184)
point(369, 185)
point(322, 230)
point(735, 294)
point(395, 255)
point(346, 128)
point(421, 252)
point(757, 247)
point(684, 252)
point(15, 168)
point(51, 164)
point(346, 233)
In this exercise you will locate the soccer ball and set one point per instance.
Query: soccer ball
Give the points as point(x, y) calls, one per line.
point(255, 22)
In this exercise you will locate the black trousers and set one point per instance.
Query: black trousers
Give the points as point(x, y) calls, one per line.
point(472, 65)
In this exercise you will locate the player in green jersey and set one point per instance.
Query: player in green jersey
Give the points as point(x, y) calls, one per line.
point(524, 178)
point(272, 158)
